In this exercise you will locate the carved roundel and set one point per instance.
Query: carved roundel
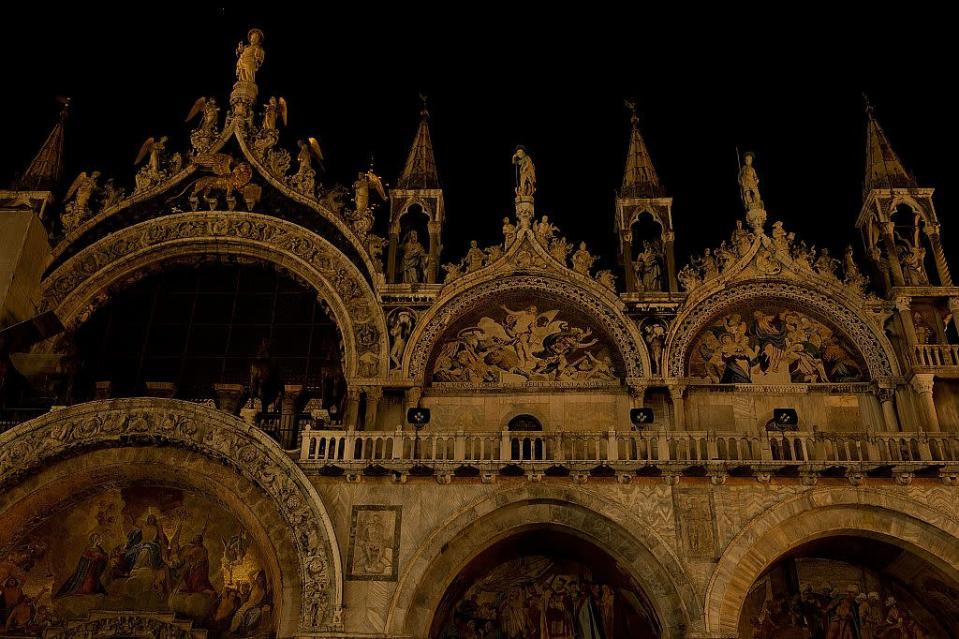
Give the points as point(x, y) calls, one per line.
point(528, 327)
point(778, 304)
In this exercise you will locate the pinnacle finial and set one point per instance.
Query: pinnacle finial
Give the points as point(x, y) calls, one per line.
point(424, 110)
point(633, 115)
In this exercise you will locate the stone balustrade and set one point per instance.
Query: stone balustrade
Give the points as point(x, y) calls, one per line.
point(936, 355)
point(628, 449)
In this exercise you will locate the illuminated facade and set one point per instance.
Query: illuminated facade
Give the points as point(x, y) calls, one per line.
point(206, 378)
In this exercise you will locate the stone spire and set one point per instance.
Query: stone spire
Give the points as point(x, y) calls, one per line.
point(639, 179)
point(420, 169)
point(44, 172)
point(884, 169)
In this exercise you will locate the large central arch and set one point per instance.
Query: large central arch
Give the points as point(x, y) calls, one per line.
point(83, 282)
point(221, 451)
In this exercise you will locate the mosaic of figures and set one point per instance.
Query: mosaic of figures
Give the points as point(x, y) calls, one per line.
point(844, 601)
point(138, 549)
point(538, 597)
point(525, 344)
point(770, 344)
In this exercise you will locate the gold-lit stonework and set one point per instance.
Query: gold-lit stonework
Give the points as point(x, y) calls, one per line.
point(240, 400)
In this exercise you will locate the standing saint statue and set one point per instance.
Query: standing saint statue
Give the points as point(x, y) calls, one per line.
point(749, 183)
point(525, 173)
point(415, 259)
point(249, 56)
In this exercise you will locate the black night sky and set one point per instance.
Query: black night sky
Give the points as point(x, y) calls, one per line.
point(789, 90)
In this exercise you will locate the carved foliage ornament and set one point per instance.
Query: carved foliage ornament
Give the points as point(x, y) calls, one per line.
point(488, 293)
point(854, 327)
point(94, 268)
point(94, 425)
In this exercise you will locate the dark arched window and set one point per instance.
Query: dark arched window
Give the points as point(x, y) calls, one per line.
point(524, 422)
point(210, 324)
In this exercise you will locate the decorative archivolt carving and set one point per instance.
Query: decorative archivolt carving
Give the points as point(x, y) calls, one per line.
point(115, 423)
point(693, 319)
point(613, 322)
point(125, 625)
point(82, 283)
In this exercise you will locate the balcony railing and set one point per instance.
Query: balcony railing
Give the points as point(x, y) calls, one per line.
point(936, 355)
point(614, 448)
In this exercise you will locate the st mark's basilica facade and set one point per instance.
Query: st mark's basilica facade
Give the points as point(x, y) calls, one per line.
point(231, 409)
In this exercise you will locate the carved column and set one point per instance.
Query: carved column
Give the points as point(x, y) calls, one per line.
point(954, 310)
point(945, 278)
point(629, 269)
point(391, 256)
point(923, 384)
point(374, 394)
point(892, 257)
point(288, 410)
point(887, 401)
point(903, 305)
point(671, 261)
point(352, 411)
point(434, 231)
point(228, 397)
point(677, 393)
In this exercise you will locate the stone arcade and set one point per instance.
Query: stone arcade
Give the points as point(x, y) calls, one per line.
point(204, 378)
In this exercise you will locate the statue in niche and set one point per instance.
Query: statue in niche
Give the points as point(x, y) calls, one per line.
point(912, 258)
point(250, 56)
point(649, 267)
point(475, 257)
point(525, 173)
point(655, 335)
point(415, 260)
point(401, 326)
point(509, 233)
point(749, 183)
point(582, 260)
point(924, 334)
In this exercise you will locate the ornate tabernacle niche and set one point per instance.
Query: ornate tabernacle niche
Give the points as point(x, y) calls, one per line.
point(518, 339)
point(767, 342)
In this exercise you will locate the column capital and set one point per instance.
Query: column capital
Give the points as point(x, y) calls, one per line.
point(353, 393)
point(373, 392)
point(903, 304)
point(932, 229)
point(413, 396)
point(923, 383)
